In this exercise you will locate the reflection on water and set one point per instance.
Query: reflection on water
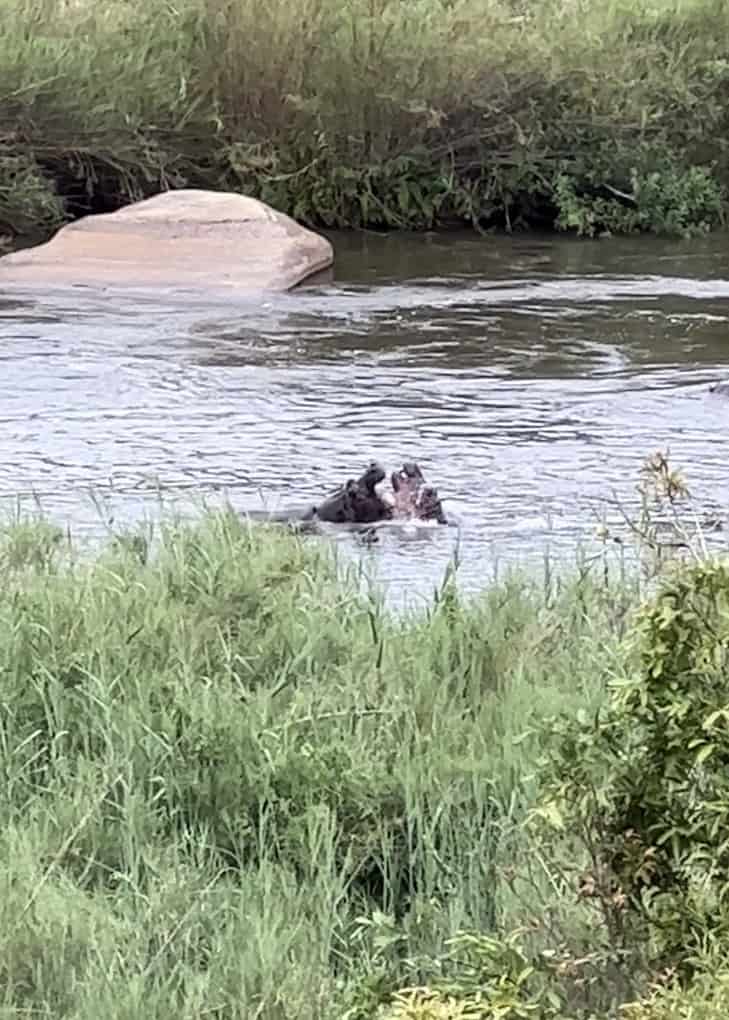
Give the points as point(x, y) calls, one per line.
point(529, 377)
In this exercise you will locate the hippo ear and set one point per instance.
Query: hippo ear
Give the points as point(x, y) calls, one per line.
point(395, 481)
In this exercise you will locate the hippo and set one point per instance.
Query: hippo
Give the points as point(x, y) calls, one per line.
point(429, 506)
point(355, 502)
point(406, 484)
point(413, 498)
point(722, 388)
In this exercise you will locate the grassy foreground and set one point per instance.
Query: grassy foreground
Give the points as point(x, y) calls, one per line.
point(567, 113)
point(235, 786)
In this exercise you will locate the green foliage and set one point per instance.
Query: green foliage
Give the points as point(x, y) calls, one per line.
point(232, 783)
point(706, 999)
point(488, 113)
point(488, 979)
point(642, 786)
point(28, 200)
point(425, 1004)
point(639, 190)
point(474, 977)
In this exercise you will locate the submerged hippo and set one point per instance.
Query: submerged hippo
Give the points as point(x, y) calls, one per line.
point(722, 388)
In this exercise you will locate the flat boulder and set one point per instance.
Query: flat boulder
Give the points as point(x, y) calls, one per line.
point(188, 238)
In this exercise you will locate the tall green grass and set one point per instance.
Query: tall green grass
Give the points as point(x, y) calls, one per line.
point(576, 114)
point(233, 786)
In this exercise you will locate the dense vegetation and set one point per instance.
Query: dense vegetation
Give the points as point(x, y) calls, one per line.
point(235, 785)
point(567, 113)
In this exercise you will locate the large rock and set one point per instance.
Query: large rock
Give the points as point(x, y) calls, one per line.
point(186, 238)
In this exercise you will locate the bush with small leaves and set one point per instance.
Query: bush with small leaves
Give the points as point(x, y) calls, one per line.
point(643, 787)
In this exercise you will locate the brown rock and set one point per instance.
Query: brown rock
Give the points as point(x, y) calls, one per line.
point(187, 238)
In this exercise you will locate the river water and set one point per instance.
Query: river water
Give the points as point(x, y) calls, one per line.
point(528, 376)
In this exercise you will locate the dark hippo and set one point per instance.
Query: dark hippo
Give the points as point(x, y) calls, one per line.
point(355, 502)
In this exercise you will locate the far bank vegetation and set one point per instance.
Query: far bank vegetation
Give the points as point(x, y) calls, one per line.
point(567, 114)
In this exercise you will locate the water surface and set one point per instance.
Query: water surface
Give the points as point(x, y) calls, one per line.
point(528, 376)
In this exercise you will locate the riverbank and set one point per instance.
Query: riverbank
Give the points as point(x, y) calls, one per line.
point(236, 787)
point(491, 113)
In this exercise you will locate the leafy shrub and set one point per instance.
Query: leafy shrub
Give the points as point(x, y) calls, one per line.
point(705, 998)
point(644, 785)
point(485, 978)
point(28, 200)
point(638, 190)
point(426, 1004)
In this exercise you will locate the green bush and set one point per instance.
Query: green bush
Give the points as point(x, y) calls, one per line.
point(488, 979)
point(706, 999)
point(28, 199)
point(643, 786)
point(651, 192)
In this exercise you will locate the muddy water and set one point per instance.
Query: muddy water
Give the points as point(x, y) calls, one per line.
point(529, 377)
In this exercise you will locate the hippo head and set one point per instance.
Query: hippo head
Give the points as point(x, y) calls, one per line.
point(355, 502)
point(374, 474)
point(406, 484)
point(429, 506)
point(408, 474)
